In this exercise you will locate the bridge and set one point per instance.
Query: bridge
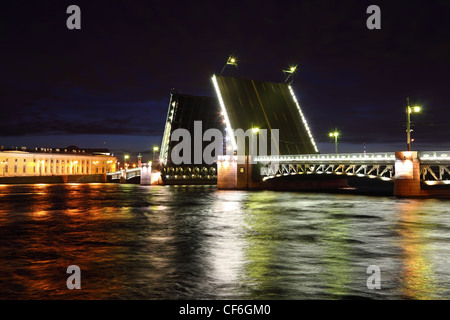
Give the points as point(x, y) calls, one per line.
point(142, 174)
point(410, 171)
point(434, 165)
point(295, 161)
point(274, 105)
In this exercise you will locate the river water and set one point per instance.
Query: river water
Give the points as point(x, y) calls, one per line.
point(195, 242)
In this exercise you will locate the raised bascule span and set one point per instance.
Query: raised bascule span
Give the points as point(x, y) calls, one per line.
point(184, 110)
point(250, 104)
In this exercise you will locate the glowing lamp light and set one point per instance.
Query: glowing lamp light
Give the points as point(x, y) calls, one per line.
point(231, 60)
point(255, 130)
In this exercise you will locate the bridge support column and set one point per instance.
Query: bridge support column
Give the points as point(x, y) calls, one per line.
point(123, 176)
point(407, 174)
point(234, 173)
point(146, 174)
point(227, 173)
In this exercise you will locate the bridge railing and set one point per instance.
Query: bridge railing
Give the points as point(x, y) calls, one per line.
point(434, 157)
point(380, 157)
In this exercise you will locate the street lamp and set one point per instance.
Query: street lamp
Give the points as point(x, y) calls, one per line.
point(155, 149)
point(290, 71)
point(125, 161)
point(409, 110)
point(231, 61)
point(335, 134)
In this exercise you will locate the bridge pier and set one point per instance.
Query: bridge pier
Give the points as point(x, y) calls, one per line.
point(123, 176)
point(235, 172)
point(407, 174)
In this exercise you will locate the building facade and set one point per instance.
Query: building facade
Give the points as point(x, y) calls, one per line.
point(51, 163)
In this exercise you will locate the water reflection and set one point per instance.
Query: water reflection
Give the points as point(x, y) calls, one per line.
point(261, 247)
point(418, 277)
point(136, 242)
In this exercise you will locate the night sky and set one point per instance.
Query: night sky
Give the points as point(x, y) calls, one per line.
point(108, 84)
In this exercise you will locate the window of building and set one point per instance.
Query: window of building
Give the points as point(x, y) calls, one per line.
point(16, 160)
point(24, 169)
point(15, 168)
point(24, 160)
point(6, 167)
point(34, 169)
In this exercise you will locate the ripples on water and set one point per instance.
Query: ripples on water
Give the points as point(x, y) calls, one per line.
point(161, 242)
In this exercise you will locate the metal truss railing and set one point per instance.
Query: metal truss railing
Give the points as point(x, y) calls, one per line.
point(382, 171)
point(130, 173)
point(189, 173)
point(435, 165)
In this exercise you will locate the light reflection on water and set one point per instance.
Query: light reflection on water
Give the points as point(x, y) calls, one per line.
point(136, 242)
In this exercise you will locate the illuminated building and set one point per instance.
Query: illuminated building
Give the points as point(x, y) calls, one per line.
point(54, 162)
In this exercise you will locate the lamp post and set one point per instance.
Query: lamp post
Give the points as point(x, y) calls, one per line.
point(231, 61)
point(409, 110)
point(155, 149)
point(125, 157)
point(290, 72)
point(335, 134)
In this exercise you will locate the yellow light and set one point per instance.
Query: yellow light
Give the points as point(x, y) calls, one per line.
point(126, 156)
point(334, 134)
point(255, 130)
point(416, 109)
point(231, 60)
point(155, 148)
